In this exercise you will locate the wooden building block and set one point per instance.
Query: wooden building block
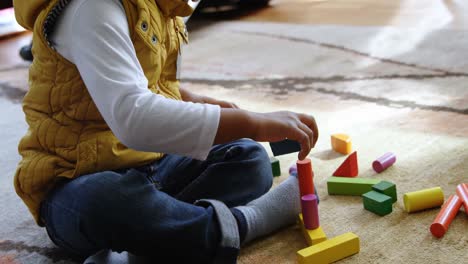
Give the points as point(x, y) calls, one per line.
point(305, 175)
point(448, 212)
point(284, 147)
point(386, 188)
point(349, 167)
point(423, 199)
point(330, 250)
point(314, 236)
point(350, 186)
point(293, 169)
point(341, 143)
point(310, 213)
point(462, 192)
point(383, 162)
point(275, 166)
point(377, 203)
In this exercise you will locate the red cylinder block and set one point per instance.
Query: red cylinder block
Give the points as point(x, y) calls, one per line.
point(305, 175)
point(442, 222)
point(462, 191)
point(310, 211)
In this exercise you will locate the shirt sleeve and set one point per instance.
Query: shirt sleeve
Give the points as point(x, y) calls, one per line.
point(94, 35)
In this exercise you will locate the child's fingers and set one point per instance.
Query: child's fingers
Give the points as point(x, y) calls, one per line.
point(303, 139)
point(233, 105)
point(309, 132)
point(225, 104)
point(309, 121)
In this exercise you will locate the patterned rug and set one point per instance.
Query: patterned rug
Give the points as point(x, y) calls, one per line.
point(390, 89)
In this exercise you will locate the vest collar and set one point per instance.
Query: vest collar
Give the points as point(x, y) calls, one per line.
point(173, 8)
point(27, 10)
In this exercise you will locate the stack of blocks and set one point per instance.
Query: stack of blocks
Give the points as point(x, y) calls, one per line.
point(320, 249)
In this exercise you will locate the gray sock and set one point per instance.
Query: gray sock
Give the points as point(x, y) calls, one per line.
point(275, 209)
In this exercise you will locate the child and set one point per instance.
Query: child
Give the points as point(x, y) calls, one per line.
point(104, 104)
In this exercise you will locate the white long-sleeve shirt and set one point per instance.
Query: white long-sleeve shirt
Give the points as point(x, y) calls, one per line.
point(94, 35)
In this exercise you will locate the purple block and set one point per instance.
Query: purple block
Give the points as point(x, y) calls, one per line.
point(310, 211)
point(384, 162)
point(293, 169)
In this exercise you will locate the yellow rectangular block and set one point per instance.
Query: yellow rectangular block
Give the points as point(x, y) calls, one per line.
point(330, 250)
point(314, 236)
point(341, 143)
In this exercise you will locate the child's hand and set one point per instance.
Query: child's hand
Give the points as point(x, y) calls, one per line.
point(277, 126)
point(269, 127)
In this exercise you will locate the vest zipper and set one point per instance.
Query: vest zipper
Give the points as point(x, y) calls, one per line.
point(51, 19)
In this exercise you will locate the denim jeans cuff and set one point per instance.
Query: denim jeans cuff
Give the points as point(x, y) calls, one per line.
point(229, 245)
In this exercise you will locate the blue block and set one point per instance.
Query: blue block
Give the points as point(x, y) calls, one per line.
point(284, 147)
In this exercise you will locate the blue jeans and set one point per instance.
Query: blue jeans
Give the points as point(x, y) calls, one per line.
point(152, 210)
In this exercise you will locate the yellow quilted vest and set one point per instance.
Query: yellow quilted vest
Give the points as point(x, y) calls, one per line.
point(67, 137)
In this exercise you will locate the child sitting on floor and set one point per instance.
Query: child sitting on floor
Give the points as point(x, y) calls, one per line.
point(104, 105)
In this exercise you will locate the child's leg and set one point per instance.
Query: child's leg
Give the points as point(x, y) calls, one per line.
point(277, 208)
point(124, 211)
point(234, 173)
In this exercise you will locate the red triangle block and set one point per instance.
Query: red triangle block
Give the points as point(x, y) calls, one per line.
point(349, 167)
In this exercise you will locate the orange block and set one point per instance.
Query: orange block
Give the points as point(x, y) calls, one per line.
point(305, 175)
point(462, 192)
point(442, 222)
point(341, 143)
point(349, 167)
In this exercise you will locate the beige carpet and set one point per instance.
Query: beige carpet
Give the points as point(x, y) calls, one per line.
point(399, 90)
point(390, 89)
point(426, 158)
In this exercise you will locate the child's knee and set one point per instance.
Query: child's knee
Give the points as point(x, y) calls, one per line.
point(261, 174)
point(261, 181)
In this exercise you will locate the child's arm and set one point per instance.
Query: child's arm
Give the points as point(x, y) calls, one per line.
point(236, 123)
point(270, 127)
point(149, 122)
point(188, 96)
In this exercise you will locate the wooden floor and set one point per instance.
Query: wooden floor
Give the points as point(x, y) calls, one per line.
point(405, 13)
point(423, 14)
point(9, 49)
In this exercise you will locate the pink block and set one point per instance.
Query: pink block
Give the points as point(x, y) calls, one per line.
point(310, 211)
point(293, 169)
point(384, 162)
